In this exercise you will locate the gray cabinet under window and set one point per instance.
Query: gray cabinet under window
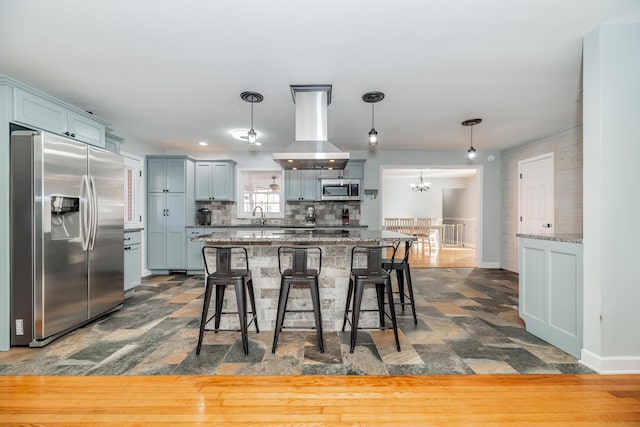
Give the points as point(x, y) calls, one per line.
point(302, 185)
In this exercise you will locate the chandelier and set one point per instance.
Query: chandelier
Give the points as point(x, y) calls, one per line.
point(422, 186)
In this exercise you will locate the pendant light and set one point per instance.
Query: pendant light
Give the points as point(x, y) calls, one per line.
point(252, 97)
point(372, 98)
point(422, 186)
point(471, 152)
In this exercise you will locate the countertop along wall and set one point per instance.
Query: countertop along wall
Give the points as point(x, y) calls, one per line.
point(567, 149)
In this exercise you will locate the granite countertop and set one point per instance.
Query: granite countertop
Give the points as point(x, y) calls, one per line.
point(278, 226)
point(567, 238)
point(331, 237)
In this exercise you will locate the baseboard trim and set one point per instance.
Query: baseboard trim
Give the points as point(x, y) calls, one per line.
point(489, 265)
point(610, 365)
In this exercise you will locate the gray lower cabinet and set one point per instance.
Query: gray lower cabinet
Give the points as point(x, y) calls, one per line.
point(550, 292)
point(165, 231)
point(132, 260)
point(194, 249)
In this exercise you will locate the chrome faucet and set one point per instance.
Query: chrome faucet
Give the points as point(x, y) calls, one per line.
point(262, 218)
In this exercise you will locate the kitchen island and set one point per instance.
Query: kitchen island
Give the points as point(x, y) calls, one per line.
point(262, 246)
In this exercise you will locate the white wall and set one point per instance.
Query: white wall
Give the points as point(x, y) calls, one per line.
point(611, 201)
point(401, 201)
point(567, 149)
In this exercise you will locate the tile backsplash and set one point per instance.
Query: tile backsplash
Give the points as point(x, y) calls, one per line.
point(327, 213)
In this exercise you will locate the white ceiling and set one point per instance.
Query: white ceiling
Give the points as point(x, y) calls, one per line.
point(170, 73)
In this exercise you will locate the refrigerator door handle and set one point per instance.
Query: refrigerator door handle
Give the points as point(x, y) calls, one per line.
point(94, 213)
point(85, 212)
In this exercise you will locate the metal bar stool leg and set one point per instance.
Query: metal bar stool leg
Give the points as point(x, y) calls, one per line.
point(241, 297)
point(407, 273)
point(400, 278)
point(380, 289)
point(282, 306)
point(346, 308)
point(393, 312)
point(355, 315)
point(252, 300)
point(219, 300)
point(315, 298)
point(205, 312)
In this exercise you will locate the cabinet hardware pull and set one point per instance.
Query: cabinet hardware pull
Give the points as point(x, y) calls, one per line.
point(127, 238)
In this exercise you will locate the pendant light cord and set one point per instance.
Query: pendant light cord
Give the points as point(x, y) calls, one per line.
point(372, 127)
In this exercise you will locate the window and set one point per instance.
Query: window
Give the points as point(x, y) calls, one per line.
point(260, 188)
point(132, 192)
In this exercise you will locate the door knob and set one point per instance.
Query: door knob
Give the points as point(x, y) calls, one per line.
point(546, 225)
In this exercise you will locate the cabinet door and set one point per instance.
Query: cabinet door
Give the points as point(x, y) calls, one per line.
point(86, 130)
point(194, 249)
point(132, 266)
point(292, 185)
point(354, 169)
point(31, 110)
point(203, 181)
point(221, 177)
point(309, 185)
point(176, 175)
point(156, 231)
point(175, 231)
point(156, 175)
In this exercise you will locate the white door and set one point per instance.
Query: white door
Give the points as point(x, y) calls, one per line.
point(536, 195)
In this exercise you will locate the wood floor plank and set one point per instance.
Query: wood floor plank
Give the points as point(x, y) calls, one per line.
point(540, 400)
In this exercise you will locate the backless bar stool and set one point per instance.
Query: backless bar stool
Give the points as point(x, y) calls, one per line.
point(293, 262)
point(371, 274)
point(401, 267)
point(224, 274)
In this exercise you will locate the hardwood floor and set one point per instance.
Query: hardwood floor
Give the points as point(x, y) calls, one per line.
point(444, 256)
point(501, 400)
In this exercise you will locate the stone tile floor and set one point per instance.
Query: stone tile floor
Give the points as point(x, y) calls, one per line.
point(467, 324)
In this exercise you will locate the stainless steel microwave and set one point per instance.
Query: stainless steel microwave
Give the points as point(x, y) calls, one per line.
point(340, 189)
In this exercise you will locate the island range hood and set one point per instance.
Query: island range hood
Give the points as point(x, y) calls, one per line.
point(311, 149)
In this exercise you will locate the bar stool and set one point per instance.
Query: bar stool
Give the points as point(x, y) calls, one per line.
point(224, 274)
point(401, 267)
point(297, 272)
point(371, 274)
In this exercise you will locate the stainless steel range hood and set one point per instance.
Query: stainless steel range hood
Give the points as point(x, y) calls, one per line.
point(311, 149)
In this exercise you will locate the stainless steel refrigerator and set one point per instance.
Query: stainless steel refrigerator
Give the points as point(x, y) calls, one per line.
point(67, 229)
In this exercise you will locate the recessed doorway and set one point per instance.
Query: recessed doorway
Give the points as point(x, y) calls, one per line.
point(445, 198)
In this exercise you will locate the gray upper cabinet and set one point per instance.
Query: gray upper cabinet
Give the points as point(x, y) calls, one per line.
point(302, 185)
point(353, 170)
point(166, 175)
point(215, 181)
point(33, 110)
